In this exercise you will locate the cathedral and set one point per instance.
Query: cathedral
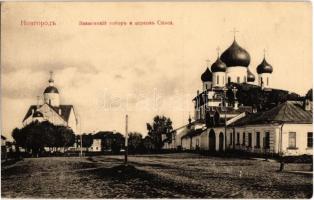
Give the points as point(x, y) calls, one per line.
point(223, 125)
point(231, 67)
point(51, 110)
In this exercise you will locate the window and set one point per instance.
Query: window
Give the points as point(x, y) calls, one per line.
point(238, 138)
point(244, 80)
point(223, 80)
point(257, 139)
point(250, 139)
point(229, 79)
point(310, 139)
point(238, 79)
point(292, 139)
point(217, 79)
point(243, 139)
point(267, 81)
point(267, 141)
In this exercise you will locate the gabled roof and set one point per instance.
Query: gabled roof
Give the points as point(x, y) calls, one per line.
point(65, 111)
point(287, 112)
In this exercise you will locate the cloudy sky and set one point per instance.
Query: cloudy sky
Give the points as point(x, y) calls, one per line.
point(109, 71)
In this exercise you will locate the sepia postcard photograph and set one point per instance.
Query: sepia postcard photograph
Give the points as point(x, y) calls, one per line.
point(172, 100)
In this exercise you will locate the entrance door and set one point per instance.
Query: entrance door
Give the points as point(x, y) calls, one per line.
point(221, 141)
point(212, 140)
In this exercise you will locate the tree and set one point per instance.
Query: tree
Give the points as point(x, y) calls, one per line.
point(37, 135)
point(87, 140)
point(117, 142)
point(309, 95)
point(135, 140)
point(161, 125)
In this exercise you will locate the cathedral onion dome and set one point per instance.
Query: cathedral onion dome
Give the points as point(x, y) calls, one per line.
point(51, 89)
point(218, 66)
point(264, 67)
point(250, 76)
point(38, 114)
point(236, 56)
point(207, 76)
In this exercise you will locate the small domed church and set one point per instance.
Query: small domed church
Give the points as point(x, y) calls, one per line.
point(51, 110)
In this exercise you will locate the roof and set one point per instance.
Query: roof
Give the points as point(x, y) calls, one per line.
point(287, 112)
point(264, 67)
point(207, 76)
point(218, 66)
point(193, 133)
point(65, 111)
point(236, 56)
point(51, 89)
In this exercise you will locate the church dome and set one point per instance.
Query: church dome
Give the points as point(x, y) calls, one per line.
point(38, 114)
point(250, 76)
point(236, 56)
point(218, 66)
point(207, 76)
point(264, 67)
point(51, 89)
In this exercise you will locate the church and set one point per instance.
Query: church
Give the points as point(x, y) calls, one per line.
point(222, 125)
point(51, 110)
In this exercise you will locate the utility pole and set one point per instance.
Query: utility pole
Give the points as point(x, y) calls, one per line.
point(126, 141)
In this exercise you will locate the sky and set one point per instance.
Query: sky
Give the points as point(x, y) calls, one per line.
point(112, 70)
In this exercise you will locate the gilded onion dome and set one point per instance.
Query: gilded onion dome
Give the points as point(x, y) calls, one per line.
point(250, 76)
point(236, 56)
point(264, 67)
point(207, 75)
point(218, 66)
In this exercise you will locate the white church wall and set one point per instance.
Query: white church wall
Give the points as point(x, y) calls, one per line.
point(207, 85)
point(51, 115)
point(266, 77)
point(52, 98)
point(219, 79)
point(204, 140)
point(72, 121)
point(235, 72)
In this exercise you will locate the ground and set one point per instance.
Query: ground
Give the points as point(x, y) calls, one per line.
point(179, 175)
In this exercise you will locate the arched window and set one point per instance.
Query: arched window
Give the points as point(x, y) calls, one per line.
point(244, 80)
point(229, 79)
point(238, 79)
point(267, 81)
point(217, 79)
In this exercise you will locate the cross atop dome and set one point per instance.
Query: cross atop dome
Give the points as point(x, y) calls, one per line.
point(207, 62)
point(264, 51)
point(234, 33)
point(51, 79)
point(218, 51)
